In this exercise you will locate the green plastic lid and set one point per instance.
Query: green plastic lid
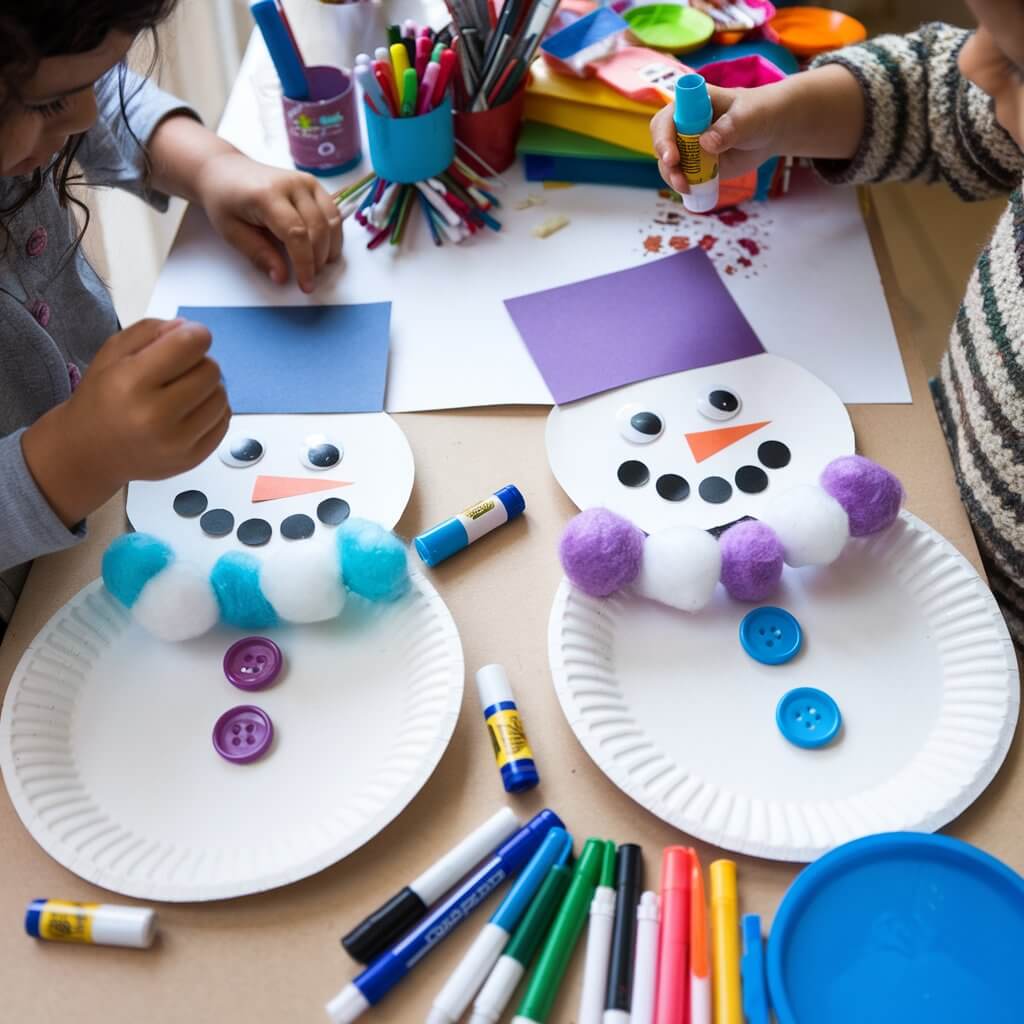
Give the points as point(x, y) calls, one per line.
point(670, 27)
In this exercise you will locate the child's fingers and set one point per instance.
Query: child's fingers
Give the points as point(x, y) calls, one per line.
point(316, 224)
point(674, 178)
point(206, 417)
point(180, 398)
point(333, 216)
point(207, 443)
point(663, 136)
point(284, 222)
point(257, 244)
point(172, 355)
point(133, 339)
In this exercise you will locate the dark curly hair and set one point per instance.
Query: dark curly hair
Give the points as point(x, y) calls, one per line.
point(32, 30)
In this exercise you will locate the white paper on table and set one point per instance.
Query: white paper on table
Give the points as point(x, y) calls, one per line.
point(812, 292)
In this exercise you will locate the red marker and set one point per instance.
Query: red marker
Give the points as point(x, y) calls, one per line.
point(423, 48)
point(447, 67)
point(386, 81)
point(672, 994)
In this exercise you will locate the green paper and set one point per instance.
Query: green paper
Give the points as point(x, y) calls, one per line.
point(547, 140)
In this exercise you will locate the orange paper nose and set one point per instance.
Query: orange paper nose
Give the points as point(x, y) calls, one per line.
point(706, 443)
point(269, 488)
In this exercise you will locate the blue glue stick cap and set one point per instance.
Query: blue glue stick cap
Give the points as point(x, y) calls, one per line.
point(693, 105)
point(512, 498)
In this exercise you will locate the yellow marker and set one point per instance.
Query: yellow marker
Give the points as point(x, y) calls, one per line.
point(399, 64)
point(725, 944)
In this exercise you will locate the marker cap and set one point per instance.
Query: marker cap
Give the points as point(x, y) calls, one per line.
point(374, 933)
point(693, 109)
point(676, 868)
point(530, 934)
point(607, 877)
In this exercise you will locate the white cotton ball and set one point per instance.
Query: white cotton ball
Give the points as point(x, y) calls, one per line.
point(680, 567)
point(303, 583)
point(811, 524)
point(177, 604)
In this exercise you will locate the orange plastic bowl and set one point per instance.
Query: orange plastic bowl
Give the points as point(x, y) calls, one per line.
point(808, 31)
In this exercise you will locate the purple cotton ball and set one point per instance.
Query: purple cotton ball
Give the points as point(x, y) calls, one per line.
point(752, 558)
point(870, 494)
point(601, 552)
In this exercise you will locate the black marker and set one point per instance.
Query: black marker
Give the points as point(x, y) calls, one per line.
point(629, 877)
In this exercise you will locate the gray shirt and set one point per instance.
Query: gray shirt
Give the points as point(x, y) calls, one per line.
point(55, 313)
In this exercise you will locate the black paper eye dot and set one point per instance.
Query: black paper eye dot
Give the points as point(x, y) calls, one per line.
point(190, 504)
point(297, 527)
point(751, 479)
point(633, 474)
point(254, 533)
point(218, 522)
point(239, 452)
point(773, 454)
point(319, 452)
point(333, 511)
point(672, 487)
point(639, 425)
point(719, 404)
point(714, 490)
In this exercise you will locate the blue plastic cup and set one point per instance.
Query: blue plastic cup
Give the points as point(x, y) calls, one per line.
point(410, 149)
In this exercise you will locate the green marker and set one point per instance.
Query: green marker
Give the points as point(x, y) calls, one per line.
point(410, 87)
point(522, 948)
point(438, 50)
point(394, 34)
point(564, 934)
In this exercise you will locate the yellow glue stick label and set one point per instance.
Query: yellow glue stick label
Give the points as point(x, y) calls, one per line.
point(508, 737)
point(67, 922)
point(697, 165)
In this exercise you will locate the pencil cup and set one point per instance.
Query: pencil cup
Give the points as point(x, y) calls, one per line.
point(411, 149)
point(492, 134)
point(323, 131)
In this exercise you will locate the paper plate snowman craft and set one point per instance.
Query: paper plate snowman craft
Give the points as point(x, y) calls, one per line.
point(279, 480)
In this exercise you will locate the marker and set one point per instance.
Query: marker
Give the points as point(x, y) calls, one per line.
point(386, 80)
point(394, 34)
point(373, 984)
point(423, 47)
point(725, 944)
point(379, 929)
point(279, 44)
point(561, 941)
point(447, 67)
point(645, 964)
point(427, 86)
point(92, 924)
point(599, 943)
point(629, 871)
point(508, 971)
point(692, 117)
point(508, 736)
point(452, 1001)
point(671, 1001)
point(382, 53)
point(372, 92)
point(399, 64)
point(460, 531)
point(700, 959)
point(755, 986)
point(410, 87)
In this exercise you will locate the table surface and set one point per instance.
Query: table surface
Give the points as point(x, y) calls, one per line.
point(275, 957)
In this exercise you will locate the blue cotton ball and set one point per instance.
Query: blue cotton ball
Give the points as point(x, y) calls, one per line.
point(131, 562)
point(374, 561)
point(236, 582)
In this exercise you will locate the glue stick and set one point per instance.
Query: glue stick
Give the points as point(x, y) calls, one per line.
point(511, 747)
point(692, 117)
point(100, 924)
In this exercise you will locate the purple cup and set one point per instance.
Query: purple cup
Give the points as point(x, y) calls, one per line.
point(323, 131)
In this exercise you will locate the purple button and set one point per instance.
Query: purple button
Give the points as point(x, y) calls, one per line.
point(253, 663)
point(243, 734)
point(41, 311)
point(35, 245)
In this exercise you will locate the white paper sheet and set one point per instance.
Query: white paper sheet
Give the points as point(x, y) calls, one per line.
point(811, 290)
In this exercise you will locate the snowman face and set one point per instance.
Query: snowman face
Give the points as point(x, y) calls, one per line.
point(278, 480)
point(704, 447)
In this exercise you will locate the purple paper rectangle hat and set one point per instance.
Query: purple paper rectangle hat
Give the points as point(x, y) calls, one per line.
point(662, 317)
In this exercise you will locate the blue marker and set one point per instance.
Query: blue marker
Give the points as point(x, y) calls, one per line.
point(453, 1000)
point(282, 51)
point(372, 985)
point(460, 531)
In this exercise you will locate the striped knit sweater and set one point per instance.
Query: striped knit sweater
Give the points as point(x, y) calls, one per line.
point(925, 122)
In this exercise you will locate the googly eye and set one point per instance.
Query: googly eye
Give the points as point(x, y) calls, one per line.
point(719, 404)
point(639, 425)
point(239, 452)
point(319, 453)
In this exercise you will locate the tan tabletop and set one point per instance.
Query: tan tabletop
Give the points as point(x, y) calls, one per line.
point(275, 958)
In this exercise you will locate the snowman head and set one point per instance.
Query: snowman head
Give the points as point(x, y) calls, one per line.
point(704, 447)
point(277, 480)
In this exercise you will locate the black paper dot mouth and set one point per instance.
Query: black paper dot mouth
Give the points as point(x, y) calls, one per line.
point(190, 504)
point(333, 511)
point(672, 487)
point(218, 522)
point(297, 527)
point(714, 490)
point(751, 479)
point(773, 455)
point(254, 533)
point(633, 473)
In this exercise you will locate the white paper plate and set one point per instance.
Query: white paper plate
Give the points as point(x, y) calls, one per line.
point(901, 631)
point(105, 745)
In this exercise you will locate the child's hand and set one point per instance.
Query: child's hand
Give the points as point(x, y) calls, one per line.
point(742, 134)
point(150, 406)
point(255, 207)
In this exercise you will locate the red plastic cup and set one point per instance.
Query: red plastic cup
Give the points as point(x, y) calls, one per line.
point(491, 134)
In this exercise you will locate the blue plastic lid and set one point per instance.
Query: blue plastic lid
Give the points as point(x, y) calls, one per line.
point(693, 105)
point(519, 776)
point(771, 635)
point(899, 929)
point(512, 498)
point(807, 717)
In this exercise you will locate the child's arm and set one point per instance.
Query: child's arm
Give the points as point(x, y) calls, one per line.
point(919, 120)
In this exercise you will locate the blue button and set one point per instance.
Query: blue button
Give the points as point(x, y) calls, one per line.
point(808, 717)
point(770, 635)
